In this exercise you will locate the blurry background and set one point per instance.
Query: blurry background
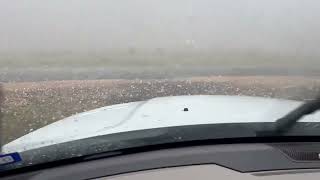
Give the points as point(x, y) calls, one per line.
point(98, 39)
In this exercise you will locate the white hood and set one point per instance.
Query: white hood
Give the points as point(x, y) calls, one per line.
point(157, 113)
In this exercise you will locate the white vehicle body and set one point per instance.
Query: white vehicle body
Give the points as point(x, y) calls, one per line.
point(157, 113)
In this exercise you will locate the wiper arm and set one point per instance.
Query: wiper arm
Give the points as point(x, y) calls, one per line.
point(285, 123)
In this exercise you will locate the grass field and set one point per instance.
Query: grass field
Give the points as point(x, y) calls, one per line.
point(130, 59)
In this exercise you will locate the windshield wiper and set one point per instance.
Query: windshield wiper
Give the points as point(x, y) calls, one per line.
point(1, 106)
point(285, 123)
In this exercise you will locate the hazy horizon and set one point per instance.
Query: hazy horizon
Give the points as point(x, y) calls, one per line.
point(279, 26)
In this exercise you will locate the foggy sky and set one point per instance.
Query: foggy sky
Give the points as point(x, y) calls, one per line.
point(270, 25)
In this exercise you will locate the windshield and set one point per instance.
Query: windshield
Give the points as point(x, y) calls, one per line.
point(65, 66)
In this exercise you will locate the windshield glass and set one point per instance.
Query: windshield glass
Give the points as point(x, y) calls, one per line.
point(66, 65)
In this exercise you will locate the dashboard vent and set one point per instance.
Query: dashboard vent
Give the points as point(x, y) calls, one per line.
point(308, 151)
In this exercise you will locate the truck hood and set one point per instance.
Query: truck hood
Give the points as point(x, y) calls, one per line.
point(157, 113)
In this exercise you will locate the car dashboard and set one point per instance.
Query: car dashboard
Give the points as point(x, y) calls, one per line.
point(223, 161)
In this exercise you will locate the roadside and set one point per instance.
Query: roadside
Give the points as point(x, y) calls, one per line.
point(159, 64)
point(146, 72)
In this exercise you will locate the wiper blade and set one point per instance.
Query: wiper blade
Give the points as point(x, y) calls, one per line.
point(285, 123)
point(1, 115)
